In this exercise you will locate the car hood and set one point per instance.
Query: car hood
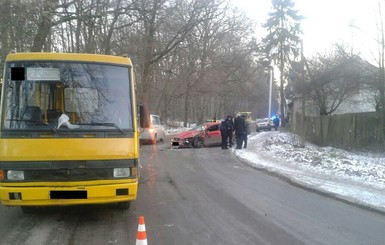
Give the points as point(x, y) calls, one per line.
point(187, 134)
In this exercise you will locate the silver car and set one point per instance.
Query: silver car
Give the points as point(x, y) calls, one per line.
point(264, 124)
point(154, 132)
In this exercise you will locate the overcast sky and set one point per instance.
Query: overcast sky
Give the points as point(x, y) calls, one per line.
point(327, 22)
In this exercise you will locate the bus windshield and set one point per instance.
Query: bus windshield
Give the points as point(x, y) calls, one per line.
point(92, 96)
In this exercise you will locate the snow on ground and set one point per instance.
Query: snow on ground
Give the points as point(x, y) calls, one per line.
point(352, 176)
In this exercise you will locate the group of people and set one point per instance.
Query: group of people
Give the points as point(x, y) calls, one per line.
point(238, 128)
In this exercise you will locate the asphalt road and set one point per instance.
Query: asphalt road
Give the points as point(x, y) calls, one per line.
point(201, 196)
point(207, 196)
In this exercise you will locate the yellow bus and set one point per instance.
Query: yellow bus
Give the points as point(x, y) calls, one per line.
point(68, 130)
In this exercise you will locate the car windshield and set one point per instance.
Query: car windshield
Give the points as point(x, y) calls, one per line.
point(262, 120)
point(92, 96)
point(198, 128)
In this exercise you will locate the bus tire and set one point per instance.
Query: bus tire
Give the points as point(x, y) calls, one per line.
point(28, 209)
point(124, 205)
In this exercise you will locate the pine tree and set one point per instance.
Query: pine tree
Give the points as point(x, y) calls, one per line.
point(282, 41)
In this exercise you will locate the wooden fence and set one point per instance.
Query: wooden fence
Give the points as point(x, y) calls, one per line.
point(361, 131)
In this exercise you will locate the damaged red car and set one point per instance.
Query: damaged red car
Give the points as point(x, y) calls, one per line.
point(207, 134)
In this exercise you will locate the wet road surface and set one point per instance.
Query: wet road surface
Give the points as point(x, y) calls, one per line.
point(201, 196)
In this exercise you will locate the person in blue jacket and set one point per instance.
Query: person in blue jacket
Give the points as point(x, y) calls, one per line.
point(276, 122)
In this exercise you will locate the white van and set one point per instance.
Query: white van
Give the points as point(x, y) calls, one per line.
point(154, 132)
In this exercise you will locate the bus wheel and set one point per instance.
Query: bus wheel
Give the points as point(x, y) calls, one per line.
point(28, 209)
point(124, 205)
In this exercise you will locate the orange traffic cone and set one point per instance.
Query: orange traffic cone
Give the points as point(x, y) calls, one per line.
point(141, 236)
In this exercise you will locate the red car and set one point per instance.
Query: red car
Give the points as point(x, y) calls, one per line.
point(207, 134)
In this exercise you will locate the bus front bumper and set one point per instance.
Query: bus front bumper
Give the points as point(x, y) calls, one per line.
point(64, 195)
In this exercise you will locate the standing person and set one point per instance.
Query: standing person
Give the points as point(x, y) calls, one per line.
point(224, 128)
point(247, 131)
point(276, 122)
point(239, 128)
point(230, 130)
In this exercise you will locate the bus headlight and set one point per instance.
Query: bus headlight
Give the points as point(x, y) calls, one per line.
point(15, 175)
point(121, 172)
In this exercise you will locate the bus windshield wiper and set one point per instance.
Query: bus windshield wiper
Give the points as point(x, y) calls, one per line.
point(36, 122)
point(104, 124)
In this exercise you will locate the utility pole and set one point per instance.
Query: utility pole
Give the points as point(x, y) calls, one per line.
point(270, 88)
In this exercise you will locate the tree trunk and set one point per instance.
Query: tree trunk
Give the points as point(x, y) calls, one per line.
point(186, 105)
point(111, 28)
point(382, 75)
point(44, 27)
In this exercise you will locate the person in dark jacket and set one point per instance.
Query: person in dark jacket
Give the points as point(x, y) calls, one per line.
point(247, 131)
point(230, 130)
point(240, 130)
point(224, 129)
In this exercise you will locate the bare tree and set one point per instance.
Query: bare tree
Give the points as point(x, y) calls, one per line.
point(333, 78)
point(219, 67)
point(17, 25)
point(156, 16)
point(193, 58)
point(45, 24)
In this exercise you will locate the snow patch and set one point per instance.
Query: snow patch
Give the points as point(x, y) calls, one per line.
point(357, 177)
